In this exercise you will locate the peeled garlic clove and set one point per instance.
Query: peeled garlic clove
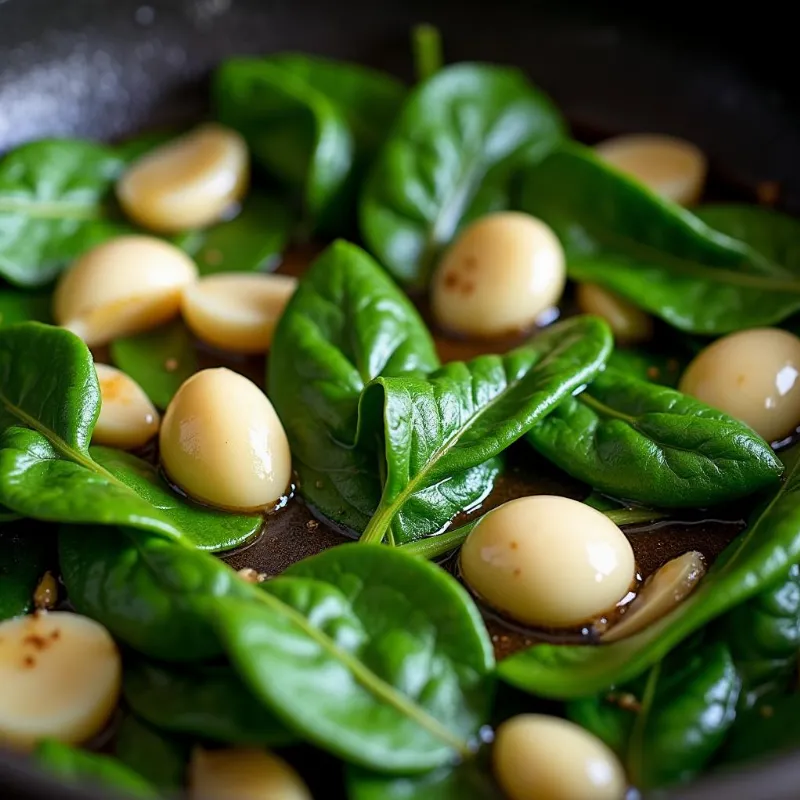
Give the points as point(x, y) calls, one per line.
point(498, 277)
point(549, 758)
point(672, 168)
point(661, 593)
point(629, 324)
point(243, 774)
point(190, 182)
point(60, 678)
point(223, 444)
point(237, 311)
point(127, 417)
point(123, 286)
point(509, 560)
point(753, 376)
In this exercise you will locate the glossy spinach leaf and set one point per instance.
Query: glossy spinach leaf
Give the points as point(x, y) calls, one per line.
point(26, 556)
point(764, 635)
point(648, 366)
point(74, 766)
point(54, 205)
point(252, 241)
point(757, 558)
point(773, 234)
point(651, 444)
point(346, 324)
point(470, 780)
point(47, 471)
point(466, 413)
point(159, 360)
point(652, 252)
point(18, 306)
point(677, 723)
point(206, 528)
point(450, 158)
point(768, 728)
point(159, 759)
point(206, 702)
point(145, 588)
point(310, 122)
point(341, 650)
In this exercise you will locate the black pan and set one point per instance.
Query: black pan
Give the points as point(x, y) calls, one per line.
point(109, 68)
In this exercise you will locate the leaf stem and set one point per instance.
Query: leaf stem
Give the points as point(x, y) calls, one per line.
point(630, 516)
point(376, 528)
point(426, 43)
point(636, 742)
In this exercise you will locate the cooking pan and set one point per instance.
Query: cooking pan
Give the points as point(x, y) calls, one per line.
point(104, 70)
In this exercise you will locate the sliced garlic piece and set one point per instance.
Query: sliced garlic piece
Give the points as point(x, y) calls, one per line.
point(223, 444)
point(629, 324)
point(660, 594)
point(187, 183)
point(243, 774)
point(123, 286)
point(60, 678)
point(237, 311)
point(673, 168)
point(127, 417)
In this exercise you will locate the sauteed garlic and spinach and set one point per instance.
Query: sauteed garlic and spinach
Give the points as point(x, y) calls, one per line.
point(540, 397)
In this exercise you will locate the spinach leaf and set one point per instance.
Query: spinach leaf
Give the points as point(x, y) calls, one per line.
point(208, 702)
point(470, 780)
point(145, 589)
point(47, 471)
point(310, 122)
point(450, 158)
point(754, 560)
point(54, 205)
point(75, 766)
point(764, 635)
point(23, 306)
point(773, 234)
point(26, 556)
point(686, 707)
point(769, 727)
point(652, 252)
point(159, 360)
point(346, 324)
point(158, 759)
point(206, 528)
point(253, 240)
point(342, 652)
point(638, 441)
point(466, 413)
point(648, 366)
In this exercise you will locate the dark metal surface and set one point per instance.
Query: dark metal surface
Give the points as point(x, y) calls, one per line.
point(108, 68)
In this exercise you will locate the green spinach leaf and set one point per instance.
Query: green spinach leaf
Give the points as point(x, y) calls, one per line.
point(159, 360)
point(208, 702)
point(74, 766)
point(450, 158)
point(651, 444)
point(342, 652)
point(253, 240)
point(466, 413)
point(310, 122)
point(26, 556)
point(685, 709)
point(160, 760)
point(773, 234)
point(648, 366)
point(24, 306)
point(652, 252)
point(145, 589)
point(754, 560)
point(764, 635)
point(54, 205)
